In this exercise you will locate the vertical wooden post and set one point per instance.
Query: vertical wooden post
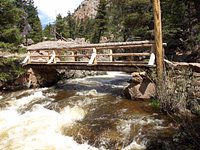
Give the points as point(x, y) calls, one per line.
point(54, 54)
point(95, 52)
point(73, 58)
point(29, 60)
point(111, 57)
point(158, 42)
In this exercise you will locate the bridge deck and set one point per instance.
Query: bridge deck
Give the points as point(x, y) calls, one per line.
point(96, 67)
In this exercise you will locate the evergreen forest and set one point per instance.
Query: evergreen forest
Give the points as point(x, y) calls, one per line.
point(117, 20)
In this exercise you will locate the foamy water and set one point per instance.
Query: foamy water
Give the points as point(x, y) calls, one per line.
point(39, 128)
point(28, 123)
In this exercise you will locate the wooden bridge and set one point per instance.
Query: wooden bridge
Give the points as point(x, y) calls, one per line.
point(122, 56)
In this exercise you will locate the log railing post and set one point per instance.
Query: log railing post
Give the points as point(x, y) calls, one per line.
point(94, 51)
point(27, 59)
point(52, 59)
point(73, 58)
point(93, 59)
point(111, 57)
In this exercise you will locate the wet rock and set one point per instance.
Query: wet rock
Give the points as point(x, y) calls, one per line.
point(140, 87)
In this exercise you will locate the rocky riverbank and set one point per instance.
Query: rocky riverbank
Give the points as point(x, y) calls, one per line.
point(181, 89)
point(14, 77)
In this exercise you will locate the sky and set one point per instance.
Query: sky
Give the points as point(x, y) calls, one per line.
point(49, 9)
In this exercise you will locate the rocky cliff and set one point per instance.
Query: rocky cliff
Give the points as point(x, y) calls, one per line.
point(87, 9)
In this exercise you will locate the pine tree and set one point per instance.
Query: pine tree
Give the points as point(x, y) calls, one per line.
point(10, 16)
point(48, 32)
point(71, 25)
point(100, 22)
point(30, 19)
point(61, 27)
point(130, 19)
point(181, 24)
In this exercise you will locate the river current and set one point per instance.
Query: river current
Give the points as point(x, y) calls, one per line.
point(78, 114)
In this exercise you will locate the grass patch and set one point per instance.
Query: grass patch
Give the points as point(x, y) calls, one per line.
point(155, 103)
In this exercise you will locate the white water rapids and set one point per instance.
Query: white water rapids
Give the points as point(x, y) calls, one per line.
point(35, 119)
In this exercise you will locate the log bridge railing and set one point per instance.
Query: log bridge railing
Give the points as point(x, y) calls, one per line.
point(85, 57)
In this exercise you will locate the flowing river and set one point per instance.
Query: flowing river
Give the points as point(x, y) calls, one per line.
point(80, 114)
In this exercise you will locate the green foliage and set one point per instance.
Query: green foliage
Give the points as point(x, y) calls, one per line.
point(10, 16)
point(125, 20)
point(84, 28)
point(48, 31)
point(71, 25)
point(130, 19)
point(11, 68)
point(100, 22)
point(155, 103)
point(3, 76)
point(181, 23)
point(12, 48)
point(16, 15)
point(30, 24)
point(62, 27)
point(121, 20)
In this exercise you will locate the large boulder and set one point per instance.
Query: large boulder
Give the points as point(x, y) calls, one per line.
point(141, 87)
point(38, 78)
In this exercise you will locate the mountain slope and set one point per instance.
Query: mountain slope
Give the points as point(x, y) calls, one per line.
point(87, 9)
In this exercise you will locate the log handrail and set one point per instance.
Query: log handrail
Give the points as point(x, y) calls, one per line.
point(97, 46)
point(87, 55)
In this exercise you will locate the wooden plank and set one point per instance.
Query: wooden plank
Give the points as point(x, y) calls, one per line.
point(97, 46)
point(99, 62)
point(113, 54)
point(85, 64)
point(130, 69)
point(66, 45)
point(39, 56)
point(125, 54)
